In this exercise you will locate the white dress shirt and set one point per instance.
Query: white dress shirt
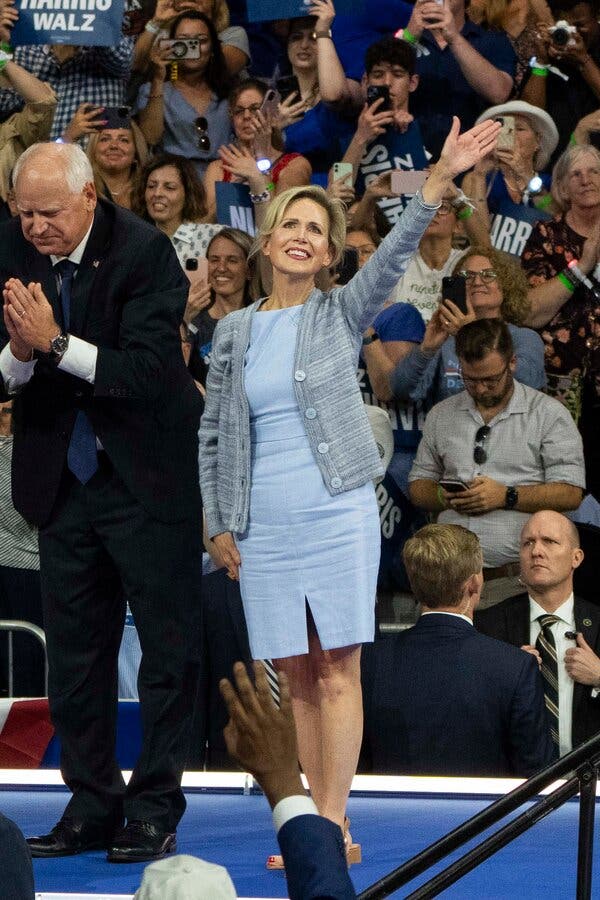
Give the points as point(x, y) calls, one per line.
point(79, 358)
point(566, 615)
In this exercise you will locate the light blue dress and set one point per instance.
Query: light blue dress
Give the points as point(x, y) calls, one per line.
point(302, 546)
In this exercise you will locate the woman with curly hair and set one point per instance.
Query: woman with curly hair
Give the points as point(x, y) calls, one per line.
point(496, 288)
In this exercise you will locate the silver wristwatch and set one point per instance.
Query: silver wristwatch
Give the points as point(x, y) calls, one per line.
point(58, 347)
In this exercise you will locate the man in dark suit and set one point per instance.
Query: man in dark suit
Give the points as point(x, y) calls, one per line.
point(549, 555)
point(105, 463)
point(444, 699)
point(261, 737)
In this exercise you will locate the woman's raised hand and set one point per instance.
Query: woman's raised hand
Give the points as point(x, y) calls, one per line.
point(462, 151)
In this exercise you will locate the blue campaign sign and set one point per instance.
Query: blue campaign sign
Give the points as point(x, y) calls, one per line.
point(91, 23)
point(264, 10)
point(234, 206)
point(512, 224)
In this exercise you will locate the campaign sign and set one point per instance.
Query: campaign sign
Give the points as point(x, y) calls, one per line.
point(512, 224)
point(392, 150)
point(92, 23)
point(265, 10)
point(234, 206)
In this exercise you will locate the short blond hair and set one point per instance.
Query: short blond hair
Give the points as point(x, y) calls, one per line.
point(335, 209)
point(439, 559)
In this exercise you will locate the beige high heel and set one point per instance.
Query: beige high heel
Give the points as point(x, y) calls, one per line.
point(353, 851)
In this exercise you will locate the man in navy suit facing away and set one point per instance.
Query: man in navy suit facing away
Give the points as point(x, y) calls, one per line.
point(444, 699)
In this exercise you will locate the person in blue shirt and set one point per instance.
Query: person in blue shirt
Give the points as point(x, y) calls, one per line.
point(462, 68)
point(496, 289)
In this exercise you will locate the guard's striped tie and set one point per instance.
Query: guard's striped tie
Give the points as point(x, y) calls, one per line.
point(546, 647)
point(272, 679)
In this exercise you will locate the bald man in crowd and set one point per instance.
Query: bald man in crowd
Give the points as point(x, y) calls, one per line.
point(561, 629)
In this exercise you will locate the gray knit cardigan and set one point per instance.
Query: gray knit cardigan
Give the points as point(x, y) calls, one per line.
point(325, 382)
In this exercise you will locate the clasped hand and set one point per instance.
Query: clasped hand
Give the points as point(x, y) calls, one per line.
point(482, 496)
point(28, 317)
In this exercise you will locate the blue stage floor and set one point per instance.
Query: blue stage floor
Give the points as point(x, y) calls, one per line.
point(235, 830)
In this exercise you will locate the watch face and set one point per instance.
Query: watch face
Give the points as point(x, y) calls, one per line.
point(59, 344)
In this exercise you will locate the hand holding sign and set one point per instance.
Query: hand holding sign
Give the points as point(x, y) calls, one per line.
point(8, 16)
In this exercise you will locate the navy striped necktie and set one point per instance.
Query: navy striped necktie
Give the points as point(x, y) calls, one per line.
point(82, 455)
point(546, 647)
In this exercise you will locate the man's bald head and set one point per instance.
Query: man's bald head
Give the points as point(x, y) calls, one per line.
point(549, 555)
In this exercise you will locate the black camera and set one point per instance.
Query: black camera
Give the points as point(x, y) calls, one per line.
point(561, 33)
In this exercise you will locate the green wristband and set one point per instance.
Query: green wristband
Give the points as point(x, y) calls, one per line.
point(543, 202)
point(408, 37)
point(564, 279)
point(541, 73)
point(6, 47)
point(441, 497)
point(572, 139)
point(465, 213)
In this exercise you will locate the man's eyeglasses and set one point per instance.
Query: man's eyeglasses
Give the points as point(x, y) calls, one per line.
point(491, 381)
point(201, 126)
point(479, 454)
point(484, 274)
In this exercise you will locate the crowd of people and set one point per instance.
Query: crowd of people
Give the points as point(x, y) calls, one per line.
point(425, 187)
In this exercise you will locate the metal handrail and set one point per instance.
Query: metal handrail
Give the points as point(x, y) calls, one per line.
point(12, 625)
point(584, 760)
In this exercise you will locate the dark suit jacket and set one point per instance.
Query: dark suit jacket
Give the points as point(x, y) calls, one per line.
point(509, 621)
point(16, 871)
point(315, 860)
point(446, 700)
point(128, 299)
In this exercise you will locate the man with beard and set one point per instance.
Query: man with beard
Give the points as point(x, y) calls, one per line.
point(503, 450)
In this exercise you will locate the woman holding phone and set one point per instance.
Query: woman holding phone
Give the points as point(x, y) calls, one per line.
point(257, 149)
point(116, 154)
point(287, 462)
point(493, 287)
point(187, 114)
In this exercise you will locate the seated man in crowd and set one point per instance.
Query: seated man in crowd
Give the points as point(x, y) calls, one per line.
point(548, 620)
point(502, 448)
point(443, 699)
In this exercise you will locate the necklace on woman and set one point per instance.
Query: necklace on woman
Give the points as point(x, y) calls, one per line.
point(126, 185)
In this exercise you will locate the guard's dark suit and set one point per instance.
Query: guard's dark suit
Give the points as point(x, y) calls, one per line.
point(445, 700)
point(510, 620)
point(134, 531)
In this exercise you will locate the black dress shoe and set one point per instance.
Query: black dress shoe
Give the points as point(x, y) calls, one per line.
point(68, 837)
point(140, 841)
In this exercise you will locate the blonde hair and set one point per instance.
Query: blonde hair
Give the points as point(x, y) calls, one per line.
point(439, 559)
point(140, 156)
point(335, 209)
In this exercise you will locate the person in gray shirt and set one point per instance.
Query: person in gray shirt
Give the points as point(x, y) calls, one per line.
point(508, 450)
